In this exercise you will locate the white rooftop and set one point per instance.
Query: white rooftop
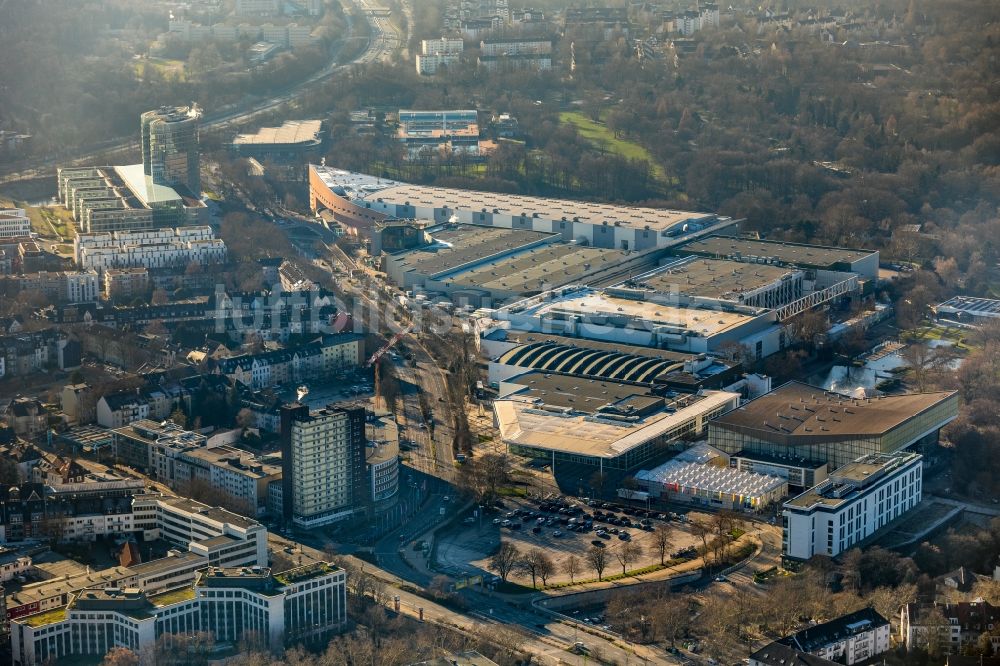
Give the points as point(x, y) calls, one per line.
point(362, 186)
point(724, 480)
point(587, 302)
point(523, 422)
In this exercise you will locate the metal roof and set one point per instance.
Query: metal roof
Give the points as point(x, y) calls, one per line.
point(591, 363)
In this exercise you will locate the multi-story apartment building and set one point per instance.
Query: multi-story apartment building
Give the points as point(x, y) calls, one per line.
point(14, 223)
point(853, 503)
point(118, 410)
point(848, 639)
point(125, 283)
point(509, 55)
point(323, 464)
point(12, 564)
point(67, 512)
point(183, 459)
point(335, 353)
point(950, 627)
point(258, 7)
point(223, 537)
point(24, 353)
point(435, 53)
point(303, 605)
point(65, 286)
point(146, 254)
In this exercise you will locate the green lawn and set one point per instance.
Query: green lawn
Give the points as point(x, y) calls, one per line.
point(601, 136)
point(46, 218)
point(933, 332)
point(172, 597)
point(164, 65)
point(47, 617)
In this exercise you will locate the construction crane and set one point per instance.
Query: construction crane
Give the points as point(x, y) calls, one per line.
point(373, 360)
point(381, 351)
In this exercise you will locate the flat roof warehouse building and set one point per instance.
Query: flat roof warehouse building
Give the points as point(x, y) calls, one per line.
point(359, 201)
point(481, 265)
point(812, 257)
point(638, 317)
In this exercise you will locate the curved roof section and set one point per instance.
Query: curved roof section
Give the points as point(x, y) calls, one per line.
point(586, 362)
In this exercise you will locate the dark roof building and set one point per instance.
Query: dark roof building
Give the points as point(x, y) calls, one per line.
point(808, 422)
point(778, 654)
point(849, 639)
point(815, 257)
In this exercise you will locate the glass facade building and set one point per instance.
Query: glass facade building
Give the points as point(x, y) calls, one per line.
point(170, 151)
point(797, 421)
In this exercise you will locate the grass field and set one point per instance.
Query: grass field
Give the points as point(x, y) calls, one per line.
point(165, 66)
point(601, 136)
point(45, 219)
point(959, 338)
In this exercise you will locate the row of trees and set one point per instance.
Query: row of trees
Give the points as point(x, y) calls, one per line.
point(538, 565)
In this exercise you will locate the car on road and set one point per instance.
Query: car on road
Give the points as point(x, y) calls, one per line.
point(721, 579)
point(445, 499)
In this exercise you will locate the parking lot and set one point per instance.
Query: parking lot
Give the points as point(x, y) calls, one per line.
point(561, 529)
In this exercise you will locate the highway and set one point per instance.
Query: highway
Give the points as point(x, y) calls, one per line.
point(383, 42)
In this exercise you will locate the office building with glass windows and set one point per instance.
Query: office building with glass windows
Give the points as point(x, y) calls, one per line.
point(170, 152)
point(857, 500)
point(797, 421)
point(252, 605)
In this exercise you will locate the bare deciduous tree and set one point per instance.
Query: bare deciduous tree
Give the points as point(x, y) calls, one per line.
point(661, 540)
point(628, 553)
point(571, 567)
point(598, 560)
point(505, 559)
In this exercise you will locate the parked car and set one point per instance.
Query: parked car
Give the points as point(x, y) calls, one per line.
point(597, 543)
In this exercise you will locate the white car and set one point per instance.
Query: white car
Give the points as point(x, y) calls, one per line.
point(445, 499)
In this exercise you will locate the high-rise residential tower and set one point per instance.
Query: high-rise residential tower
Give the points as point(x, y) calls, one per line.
point(323, 464)
point(170, 153)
